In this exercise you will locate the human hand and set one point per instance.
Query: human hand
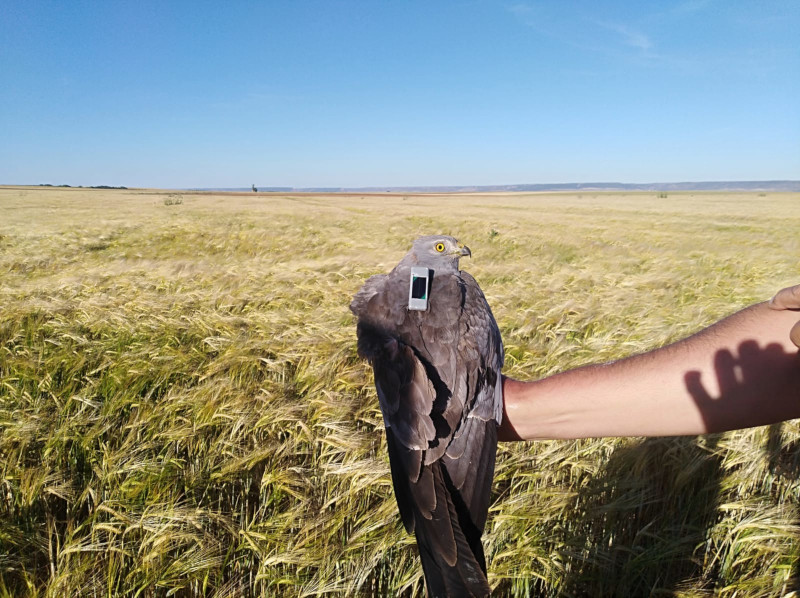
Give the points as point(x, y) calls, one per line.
point(789, 298)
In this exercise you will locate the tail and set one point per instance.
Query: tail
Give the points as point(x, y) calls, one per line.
point(449, 543)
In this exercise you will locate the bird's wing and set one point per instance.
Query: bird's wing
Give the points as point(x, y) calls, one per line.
point(470, 456)
point(405, 391)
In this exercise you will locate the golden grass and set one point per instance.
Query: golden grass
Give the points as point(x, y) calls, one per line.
point(182, 410)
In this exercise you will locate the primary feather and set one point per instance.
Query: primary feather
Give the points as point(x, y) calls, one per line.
point(437, 374)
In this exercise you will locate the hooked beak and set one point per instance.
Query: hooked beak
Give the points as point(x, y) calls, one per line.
point(465, 252)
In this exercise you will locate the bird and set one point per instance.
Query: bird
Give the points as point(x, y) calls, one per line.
point(437, 375)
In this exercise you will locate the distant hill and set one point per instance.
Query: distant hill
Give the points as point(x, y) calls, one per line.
point(543, 187)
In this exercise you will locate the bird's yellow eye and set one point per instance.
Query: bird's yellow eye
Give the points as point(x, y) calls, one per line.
point(439, 247)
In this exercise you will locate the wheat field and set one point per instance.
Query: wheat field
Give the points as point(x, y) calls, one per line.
point(183, 413)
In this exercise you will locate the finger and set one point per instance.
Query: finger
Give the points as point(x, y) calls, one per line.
point(795, 334)
point(725, 366)
point(788, 298)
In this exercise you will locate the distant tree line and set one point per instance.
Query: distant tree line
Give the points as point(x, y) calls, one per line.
point(82, 187)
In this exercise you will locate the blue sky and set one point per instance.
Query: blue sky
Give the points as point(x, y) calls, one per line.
point(376, 93)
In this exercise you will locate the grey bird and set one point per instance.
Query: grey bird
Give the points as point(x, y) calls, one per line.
point(437, 374)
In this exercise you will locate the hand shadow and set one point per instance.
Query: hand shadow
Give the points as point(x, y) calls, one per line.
point(739, 378)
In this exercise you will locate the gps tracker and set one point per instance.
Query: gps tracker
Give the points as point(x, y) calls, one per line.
point(419, 288)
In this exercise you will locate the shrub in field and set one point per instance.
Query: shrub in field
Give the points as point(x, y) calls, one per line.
point(173, 200)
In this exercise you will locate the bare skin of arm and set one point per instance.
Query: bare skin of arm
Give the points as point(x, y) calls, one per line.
point(741, 372)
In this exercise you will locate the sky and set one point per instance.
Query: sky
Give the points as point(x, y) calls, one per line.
point(296, 93)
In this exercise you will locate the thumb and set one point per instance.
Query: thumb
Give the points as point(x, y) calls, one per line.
point(795, 334)
point(788, 298)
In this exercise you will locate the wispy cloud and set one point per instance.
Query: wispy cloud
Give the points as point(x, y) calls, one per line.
point(547, 21)
point(632, 41)
point(583, 30)
point(690, 6)
point(518, 7)
point(528, 14)
point(629, 36)
point(254, 99)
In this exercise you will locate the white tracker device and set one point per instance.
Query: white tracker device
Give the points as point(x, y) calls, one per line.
point(419, 287)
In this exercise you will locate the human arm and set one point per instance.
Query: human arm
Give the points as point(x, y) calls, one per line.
point(740, 372)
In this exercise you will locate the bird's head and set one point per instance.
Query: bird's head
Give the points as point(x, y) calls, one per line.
point(438, 252)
